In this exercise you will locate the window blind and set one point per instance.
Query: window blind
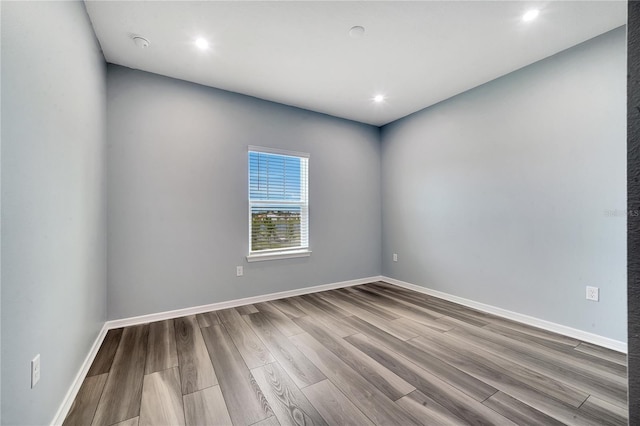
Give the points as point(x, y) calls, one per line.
point(278, 201)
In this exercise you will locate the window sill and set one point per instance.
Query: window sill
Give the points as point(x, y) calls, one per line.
point(278, 255)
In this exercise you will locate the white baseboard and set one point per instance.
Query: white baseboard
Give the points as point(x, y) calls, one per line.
point(63, 410)
point(596, 339)
point(160, 316)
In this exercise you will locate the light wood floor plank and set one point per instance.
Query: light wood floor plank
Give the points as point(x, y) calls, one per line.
point(246, 309)
point(366, 397)
point(501, 367)
point(84, 405)
point(437, 306)
point(606, 384)
point(363, 303)
point(434, 301)
point(288, 403)
point(162, 399)
point(104, 358)
point(604, 353)
point(515, 388)
point(299, 368)
point(206, 407)
point(271, 421)
point(248, 344)
point(440, 307)
point(401, 299)
point(121, 396)
point(321, 316)
point(418, 326)
point(518, 412)
point(386, 381)
point(501, 370)
point(207, 319)
point(538, 333)
point(161, 350)
point(597, 365)
point(412, 312)
point(230, 314)
point(543, 343)
point(428, 411)
point(278, 319)
point(369, 317)
point(334, 406)
point(130, 422)
point(196, 371)
point(406, 300)
point(244, 399)
point(468, 384)
point(289, 309)
point(608, 413)
point(331, 309)
point(547, 363)
point(451, 399)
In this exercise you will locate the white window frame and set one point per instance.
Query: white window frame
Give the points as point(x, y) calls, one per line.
point(288, 253)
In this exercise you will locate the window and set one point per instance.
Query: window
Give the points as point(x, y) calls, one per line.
point(278, 204)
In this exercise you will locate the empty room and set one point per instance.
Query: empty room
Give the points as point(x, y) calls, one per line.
point(330, 213)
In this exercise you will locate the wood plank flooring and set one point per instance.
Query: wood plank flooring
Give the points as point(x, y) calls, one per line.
point(374, 354)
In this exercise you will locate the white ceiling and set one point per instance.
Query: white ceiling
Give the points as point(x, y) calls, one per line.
point(300, 53)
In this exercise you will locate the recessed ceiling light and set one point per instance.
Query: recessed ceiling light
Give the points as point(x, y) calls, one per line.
point(356, 32)
point(530, 15)
point(202, 43)
point(141, 42)
point(378, 98)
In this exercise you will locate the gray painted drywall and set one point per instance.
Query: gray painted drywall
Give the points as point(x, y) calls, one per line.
point(177, 203)
point(499, 195)
point(53, 202)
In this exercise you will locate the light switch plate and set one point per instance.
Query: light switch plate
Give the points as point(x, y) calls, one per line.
point(35, 370)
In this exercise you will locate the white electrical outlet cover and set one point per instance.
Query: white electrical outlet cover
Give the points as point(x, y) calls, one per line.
point(35, 370)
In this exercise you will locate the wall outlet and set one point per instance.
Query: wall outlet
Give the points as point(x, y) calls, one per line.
point(593, 293)
point(35, 370)
point(395, 257)
point(239, 271)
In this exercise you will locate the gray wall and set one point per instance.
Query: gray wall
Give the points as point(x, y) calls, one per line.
point(53, 202)
point(499, 194)
point(177, 185)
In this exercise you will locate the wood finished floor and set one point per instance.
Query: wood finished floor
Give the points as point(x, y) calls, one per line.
point(371, 354)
